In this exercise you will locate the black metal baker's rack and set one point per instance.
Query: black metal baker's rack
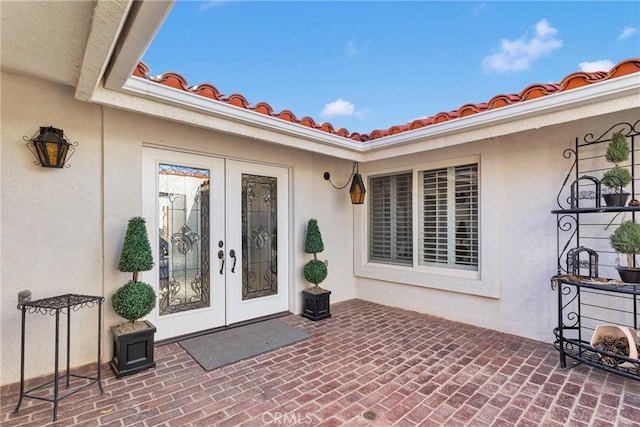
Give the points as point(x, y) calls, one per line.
point(54, 306)
point(584, 224)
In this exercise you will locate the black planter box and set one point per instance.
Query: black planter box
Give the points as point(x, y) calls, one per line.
point(132, 351)
point(615, 199)
point(629, 275)
point(316, 305)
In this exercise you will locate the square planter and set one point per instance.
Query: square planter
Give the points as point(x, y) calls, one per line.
point(132, 351)
point(316, 304)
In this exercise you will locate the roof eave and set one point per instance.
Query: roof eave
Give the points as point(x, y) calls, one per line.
point(597, 92)
point(165, 94)
point(532, 114)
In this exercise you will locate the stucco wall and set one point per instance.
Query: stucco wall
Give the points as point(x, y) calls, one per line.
point(529, 169)
point(62, 230)
point(51, 223)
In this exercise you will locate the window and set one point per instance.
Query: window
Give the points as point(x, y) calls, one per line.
point(449, 217)
point(390, 219)
point(447, 223)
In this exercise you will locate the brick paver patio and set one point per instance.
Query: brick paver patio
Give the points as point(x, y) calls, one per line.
point(369, 365)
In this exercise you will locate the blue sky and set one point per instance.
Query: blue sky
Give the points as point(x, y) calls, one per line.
point(366, 65)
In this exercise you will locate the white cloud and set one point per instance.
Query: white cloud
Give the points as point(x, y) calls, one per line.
point(208, 4)
point(627, 32)
point(354, 48)
point(591, 66)
point(342, 108)
point(518, 55)
point(339, 107)
point(479, 8)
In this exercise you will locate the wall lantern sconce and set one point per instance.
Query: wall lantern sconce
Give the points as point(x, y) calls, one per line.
point(50, 147)
point(357, 190)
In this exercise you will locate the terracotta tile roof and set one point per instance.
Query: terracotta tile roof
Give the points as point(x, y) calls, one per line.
point(533, 91)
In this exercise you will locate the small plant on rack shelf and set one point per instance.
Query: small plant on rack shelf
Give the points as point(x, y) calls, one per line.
point(618, 177)
point(626, 240)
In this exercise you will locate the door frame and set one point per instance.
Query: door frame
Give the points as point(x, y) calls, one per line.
point(169, 155)
point(239, 310)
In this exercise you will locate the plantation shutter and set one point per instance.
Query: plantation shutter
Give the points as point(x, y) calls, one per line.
point(466, 222)
point(390, 219)
point(435, 242)
point(449, 217)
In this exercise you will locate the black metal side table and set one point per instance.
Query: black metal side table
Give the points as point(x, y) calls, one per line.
point(64, 304)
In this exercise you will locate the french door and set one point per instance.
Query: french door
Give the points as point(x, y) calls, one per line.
point(219, 233)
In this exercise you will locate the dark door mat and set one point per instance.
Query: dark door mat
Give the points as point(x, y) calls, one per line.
point(231, 345)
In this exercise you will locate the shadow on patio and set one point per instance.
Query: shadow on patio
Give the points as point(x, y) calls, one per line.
point(369, 365)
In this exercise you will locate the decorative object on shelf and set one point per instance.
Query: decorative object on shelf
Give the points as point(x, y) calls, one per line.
point(615, 339)
point(574, 264)
point(357, 190)
point(316, 304)
point(133, 341)
point(50, 147)
point(575, 194)
point(618, 177)
point(626, 240)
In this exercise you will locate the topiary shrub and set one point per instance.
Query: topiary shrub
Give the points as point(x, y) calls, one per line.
point(133, 300)
point(626, 240)
point(313, 242)
point(618, 177)
point(618, 149)
point(136, 252)
point(315, 271)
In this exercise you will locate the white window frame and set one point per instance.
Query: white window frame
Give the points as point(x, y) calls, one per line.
point(451, 224)
point(483, 281)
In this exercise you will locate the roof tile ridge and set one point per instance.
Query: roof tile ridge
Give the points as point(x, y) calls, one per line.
point(263, 108)
point(503, 100)
point(171, 79)
point(236, 99)
point(141, 70)
point(622, 68)
point(538, 90)
point(533, 91)
point(207, 90)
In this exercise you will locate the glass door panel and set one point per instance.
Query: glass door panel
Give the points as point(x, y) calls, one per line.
point(257, 233)
point(259, 236)
point(183, 202)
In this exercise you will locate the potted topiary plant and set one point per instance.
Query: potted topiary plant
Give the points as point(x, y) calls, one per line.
point(626, 240)
point(316, 304)
point(618, 177)
point(133, 341)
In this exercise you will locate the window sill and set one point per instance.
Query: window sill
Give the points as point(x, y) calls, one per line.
point(446, 279)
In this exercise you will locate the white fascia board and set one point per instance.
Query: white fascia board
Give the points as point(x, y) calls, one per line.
point(107, 22)
point(144, 21)
point(595, 92)
point(141, 87)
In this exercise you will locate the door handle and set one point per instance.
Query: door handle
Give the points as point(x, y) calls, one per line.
point(232, 254)
point(221, 258)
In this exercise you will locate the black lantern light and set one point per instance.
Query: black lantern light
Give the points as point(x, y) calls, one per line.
point(50, 147)
point(357, 190)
